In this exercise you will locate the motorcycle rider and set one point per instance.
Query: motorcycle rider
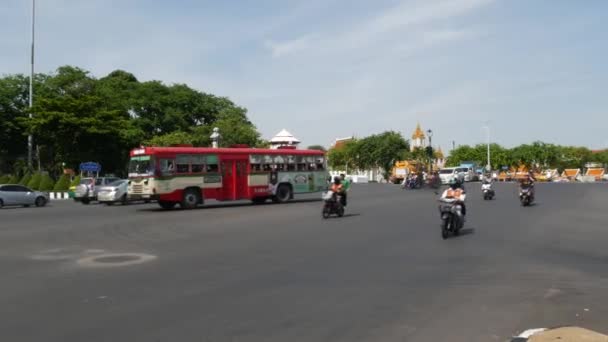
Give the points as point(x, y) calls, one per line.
point(528, 182)
point(345, 187)
point(456, 191)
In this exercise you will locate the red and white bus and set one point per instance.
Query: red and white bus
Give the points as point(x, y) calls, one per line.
point(189, 175)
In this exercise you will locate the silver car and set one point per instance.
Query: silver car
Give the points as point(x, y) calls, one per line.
point(115, 192)
point(14, 194)
point(87, 190)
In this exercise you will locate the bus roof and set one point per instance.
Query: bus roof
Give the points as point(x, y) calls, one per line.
point(210, 150)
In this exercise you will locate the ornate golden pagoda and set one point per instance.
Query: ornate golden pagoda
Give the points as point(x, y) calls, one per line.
point(418, 133)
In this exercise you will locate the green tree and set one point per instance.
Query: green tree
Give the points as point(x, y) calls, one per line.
point(380, 150)
point(4, 179)
point(78, 118)
point(173, 138)
point(34, 182)
point(63, 183)
point(46, 183)
point(234, 128)
point(463, 153)
point(13, 180)
point(343, 156)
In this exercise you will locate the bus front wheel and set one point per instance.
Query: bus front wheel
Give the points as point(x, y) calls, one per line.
point(192, 197)
point(283, 194)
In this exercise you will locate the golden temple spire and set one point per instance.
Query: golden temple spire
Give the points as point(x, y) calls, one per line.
point(418, 133)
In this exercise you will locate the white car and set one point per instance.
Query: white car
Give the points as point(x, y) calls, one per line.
point(446, 174)
point(115, 192)
point(466, 172)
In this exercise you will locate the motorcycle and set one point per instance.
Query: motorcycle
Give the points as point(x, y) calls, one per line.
point(525, 196)
point(434, 182)
point(451, 217)
point(487, 191)
point(411, 183)
point(332, 205)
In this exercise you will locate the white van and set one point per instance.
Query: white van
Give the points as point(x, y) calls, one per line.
point(446, 174)
point(467, 172)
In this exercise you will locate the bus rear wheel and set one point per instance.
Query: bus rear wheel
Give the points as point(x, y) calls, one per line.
point(191, 198)
point(166, 205)
point(283, 194)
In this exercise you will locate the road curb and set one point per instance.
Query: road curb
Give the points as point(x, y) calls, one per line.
point(59, 195)
point(565, 334)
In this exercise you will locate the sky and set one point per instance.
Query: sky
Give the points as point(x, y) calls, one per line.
point(327, 69)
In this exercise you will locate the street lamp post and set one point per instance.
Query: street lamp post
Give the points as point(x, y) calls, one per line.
point(30, 139)
point(488, 165)
point(430, 134)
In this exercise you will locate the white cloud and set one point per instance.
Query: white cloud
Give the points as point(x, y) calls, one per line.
point(406, 20)
point(288, 47)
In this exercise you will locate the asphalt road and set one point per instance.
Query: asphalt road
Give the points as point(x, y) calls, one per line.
point(282, 273)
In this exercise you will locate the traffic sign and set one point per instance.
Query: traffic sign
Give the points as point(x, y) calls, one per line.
point(90, 167)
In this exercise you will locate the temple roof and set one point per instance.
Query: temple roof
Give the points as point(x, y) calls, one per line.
point(284, 137)
point(418, 133)
point(439, 153)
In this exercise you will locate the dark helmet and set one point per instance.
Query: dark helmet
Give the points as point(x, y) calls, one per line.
point(454, 183)
point(337, 180)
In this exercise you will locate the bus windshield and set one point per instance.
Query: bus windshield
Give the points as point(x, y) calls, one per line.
point(141, 165)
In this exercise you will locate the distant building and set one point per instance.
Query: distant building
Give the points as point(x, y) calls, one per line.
point(283, 139)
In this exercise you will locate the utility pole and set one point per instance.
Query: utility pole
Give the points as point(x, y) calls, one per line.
point(30, 139)
point(430, 135)
point(488, 165)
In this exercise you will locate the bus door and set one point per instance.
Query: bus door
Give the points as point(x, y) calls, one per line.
point(234, 179)
point(228, 180)
point(242, 185)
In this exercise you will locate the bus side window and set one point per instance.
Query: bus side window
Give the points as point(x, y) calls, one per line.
point(267, 168)
point(320, 163)
point(302, 167)
point(280, 167)
point(198, 163)
point(167, 166)
point(256, 167)
point(212, 168)
point(182, 163)
point(291, 163)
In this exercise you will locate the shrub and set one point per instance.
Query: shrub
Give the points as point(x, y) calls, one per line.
point(34, 182)
point(25, 179)
point(75, 181)
point(46, 183)
point(63, 183)
point(4, 179)
point(13, 180)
